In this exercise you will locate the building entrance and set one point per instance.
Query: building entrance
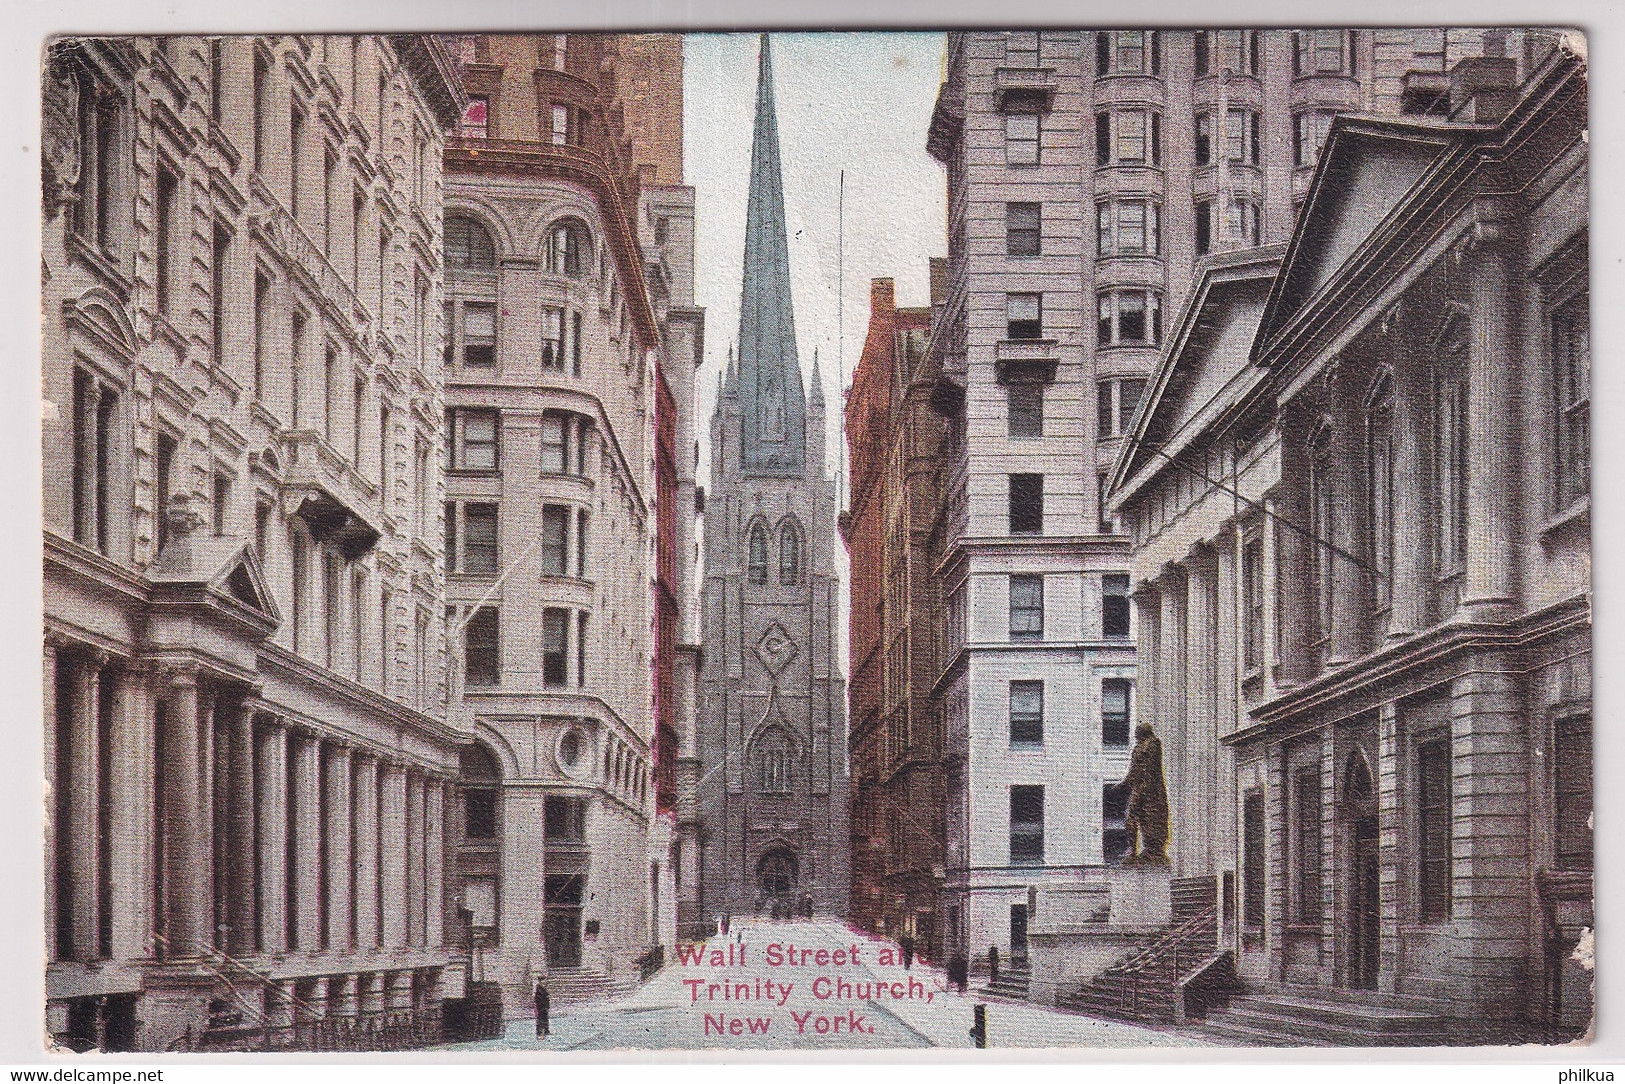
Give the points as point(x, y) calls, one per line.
point(1362, 919)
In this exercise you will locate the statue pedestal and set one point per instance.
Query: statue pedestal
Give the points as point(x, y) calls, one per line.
point(1140, 896)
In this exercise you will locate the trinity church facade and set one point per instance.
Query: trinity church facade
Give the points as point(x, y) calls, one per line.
point(773, 790)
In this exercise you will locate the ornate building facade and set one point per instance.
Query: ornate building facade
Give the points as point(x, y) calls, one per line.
point(562, 513)
point(773, 750)
point(1359, 505)
point(1054, 315)
point(247, 758)
point(896, 753)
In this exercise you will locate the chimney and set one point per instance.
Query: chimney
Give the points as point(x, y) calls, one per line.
point(882, 299)
point(1483, 88)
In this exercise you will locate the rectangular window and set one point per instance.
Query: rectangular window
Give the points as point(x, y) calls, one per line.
point(555, 540)
point(1433, 838)
point(1450, 473)
point(420, 486)
point(1115, 404)
point(480, 539)
point(1103, 139)
point(561, 125)
point(1023, 228)
point(163, 230)
point(1241, 222)
point(262, 531)
point(1114, 712)
point(1204, 227)
point(1309, 135)
point(1025, 399)
point(479, 333)
point(564, 820)
point(475, 439)
point(1241, 136)
point(451, 536)
point(1106, 522)
point(1021, 49)
point(1322, 52)
point(1204, 139)
point(1572, 790)
point(1026, 504)
point(553, 340)
point(555, 646)
point(1026, 607)
point(479, 814)
point(1114, 606)
point(1252, 860)
point(1131, 51)
point(482, 658)
point(220, 502)
point(1131, 137)
point(1252, 587)
point(261, 101)
point(1026, 826)
point(1024, 318)
point(575, 343)
point(1130, 318)
point(581, 648)
point(1021, 139)
point(554, 444)
point(296, 165)
point(1571, 370)
point(1114, 837)
point(1306, 845)
point(220, 251)
point(163, 473)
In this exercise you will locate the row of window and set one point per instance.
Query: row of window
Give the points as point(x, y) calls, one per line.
point(482, 646)
point(1139, 52)
point(1027, 824)
point(1128, 316)
point(1027, 713)
point(472, 539)
point(473, 441)
point(1127, 227)
point(1133, 137)
point(1027, 607)
point(471, 336)
point(790, 559)
point(471, 252)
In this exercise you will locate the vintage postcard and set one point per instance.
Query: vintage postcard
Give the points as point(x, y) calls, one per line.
point(1068, 537)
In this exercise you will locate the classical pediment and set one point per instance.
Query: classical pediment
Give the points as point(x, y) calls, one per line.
point(214, 571)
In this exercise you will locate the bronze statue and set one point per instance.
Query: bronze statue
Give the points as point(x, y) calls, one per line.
point(1147, 820)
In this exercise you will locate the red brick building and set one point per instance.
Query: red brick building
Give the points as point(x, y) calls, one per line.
point(895, 742)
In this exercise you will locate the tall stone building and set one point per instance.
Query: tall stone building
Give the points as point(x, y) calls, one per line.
point(1359, 501)
point(562, 579)
point(896, 754)
point(247, 752)
point(773, 791)
point(1182, 143)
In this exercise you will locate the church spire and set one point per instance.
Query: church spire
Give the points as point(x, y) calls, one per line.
point(817, 381)
point(772, 401)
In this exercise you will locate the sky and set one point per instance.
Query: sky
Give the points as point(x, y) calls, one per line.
point(858, 102)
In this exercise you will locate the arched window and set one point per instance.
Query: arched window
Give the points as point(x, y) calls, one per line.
point(569, 249)
point(789, 553)
point(773, 763)
point(1380, 485)
point(758, 554)
point(468, 245)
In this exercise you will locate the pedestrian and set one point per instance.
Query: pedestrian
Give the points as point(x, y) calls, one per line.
point(908, 951)
point(993, 963)
point(541, 1010)
point(958, 971)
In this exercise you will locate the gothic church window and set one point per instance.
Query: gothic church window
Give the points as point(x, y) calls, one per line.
point(789, 554)
point(758, 554)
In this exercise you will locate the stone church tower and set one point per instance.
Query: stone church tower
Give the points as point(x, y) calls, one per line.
point(773, 793)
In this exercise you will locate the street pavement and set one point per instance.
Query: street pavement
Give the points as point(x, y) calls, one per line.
point(775, 991)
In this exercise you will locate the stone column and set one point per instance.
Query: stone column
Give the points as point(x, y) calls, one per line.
point(1349, 593)
point(241, 861)
point(188, 873)
point(372, 993)
point(336, 769)
point(84, 816)
point(53, 641)
point(1390, 847)
point(1412, 456)
point(1490, 837)
point(1276, 897)
point(414, 859)
point(279, 1011)
point(365, 784)
point(1171, 723)
point(1148, 610)
point(132, 816)
point(306, 858)
point(393, 842)
point(271, 808)
point(1195, 790)
point(434, 862)
point(1492, 414)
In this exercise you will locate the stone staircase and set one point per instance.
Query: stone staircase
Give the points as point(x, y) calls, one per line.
point(1299, 1016)
point(1150, 985)
point(1013, 982)
point(572, 986)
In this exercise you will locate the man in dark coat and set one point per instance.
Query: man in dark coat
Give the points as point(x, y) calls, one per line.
point(541, 1010)
point(908, 951)
point(1147, 819)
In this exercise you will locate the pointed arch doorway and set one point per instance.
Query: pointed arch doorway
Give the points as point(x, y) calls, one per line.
point(1362, 895)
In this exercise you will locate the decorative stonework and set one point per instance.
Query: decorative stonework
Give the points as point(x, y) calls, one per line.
point(776, 649)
